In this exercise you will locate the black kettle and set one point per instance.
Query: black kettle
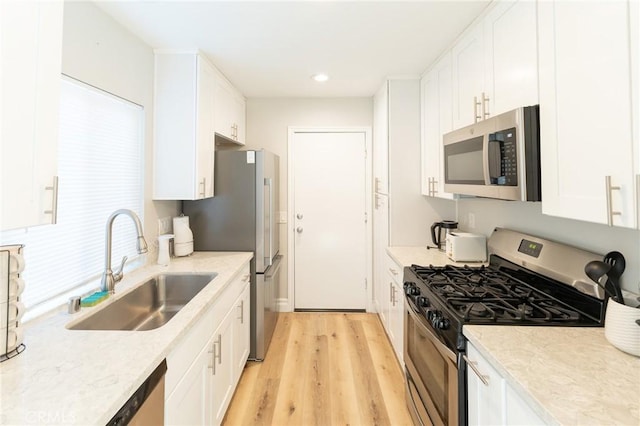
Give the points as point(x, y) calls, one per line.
point(440, 230)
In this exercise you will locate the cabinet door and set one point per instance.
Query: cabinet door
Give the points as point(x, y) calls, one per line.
point(222, 380)
point(241, 333)
point(190, 401)
point(240, 120)
point(468, 77)
point(381, 140)
point(511, 56)
point(380, 243)
point(31, 34)
point(517, 411)
point(437, 119)
point(230, 112)
point(585, 111)
point(205, 132)
point(634, 9)
point(396, 320)
point(485, 401)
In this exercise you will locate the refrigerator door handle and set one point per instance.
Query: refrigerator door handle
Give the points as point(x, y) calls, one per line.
point(268, 259)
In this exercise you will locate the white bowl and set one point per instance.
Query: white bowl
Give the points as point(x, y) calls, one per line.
point(10, 338)
point(621, 329)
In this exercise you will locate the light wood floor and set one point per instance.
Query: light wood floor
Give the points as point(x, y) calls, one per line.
point(323, 369)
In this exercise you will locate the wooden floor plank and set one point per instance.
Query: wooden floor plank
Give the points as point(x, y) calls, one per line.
point(323, 369)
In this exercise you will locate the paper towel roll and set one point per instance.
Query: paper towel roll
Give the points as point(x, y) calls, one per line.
point(183, 237)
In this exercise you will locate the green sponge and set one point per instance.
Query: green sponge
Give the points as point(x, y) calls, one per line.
point(94, 299)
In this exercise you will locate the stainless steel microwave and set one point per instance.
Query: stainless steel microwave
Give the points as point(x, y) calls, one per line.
point(496, 158)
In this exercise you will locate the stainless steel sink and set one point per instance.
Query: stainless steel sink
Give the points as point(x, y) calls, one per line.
point(149, 306)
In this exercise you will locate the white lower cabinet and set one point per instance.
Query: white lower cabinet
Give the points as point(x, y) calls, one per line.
point(392, 306)
point(490, 399)
point(199, 387)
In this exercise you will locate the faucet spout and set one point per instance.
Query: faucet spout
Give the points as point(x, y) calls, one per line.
point(109, 279)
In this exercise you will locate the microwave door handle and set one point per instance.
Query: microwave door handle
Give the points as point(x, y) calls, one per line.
point(268, 242)
point(485, 159)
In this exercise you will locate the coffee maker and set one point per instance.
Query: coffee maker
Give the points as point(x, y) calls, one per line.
point(439, 232)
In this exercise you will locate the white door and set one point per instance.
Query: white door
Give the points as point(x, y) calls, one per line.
point(329, 225)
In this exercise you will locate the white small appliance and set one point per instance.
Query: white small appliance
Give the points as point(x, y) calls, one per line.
point(182, 236)
point(466, 247)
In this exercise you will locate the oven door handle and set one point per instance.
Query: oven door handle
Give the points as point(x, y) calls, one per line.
point(432, 337)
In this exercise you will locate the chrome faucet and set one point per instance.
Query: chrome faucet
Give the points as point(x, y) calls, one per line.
point(109, 277)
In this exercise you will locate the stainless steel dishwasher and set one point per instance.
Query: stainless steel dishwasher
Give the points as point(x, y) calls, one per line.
point(146, 405)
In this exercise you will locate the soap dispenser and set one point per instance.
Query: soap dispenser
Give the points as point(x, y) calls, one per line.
point(163, 249)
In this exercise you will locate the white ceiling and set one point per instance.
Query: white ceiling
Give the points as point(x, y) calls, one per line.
point(270, 49)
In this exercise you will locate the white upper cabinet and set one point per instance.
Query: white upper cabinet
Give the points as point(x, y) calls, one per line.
point(634, 21)
point(230, 112)
point(184, 141)
point(437, 119)
point(511, 57)
point(468, 78)
point(381, 141)
point(31, 34)
point(495, 63)
point(587, 111)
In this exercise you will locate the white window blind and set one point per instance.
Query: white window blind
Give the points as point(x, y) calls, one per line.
point(100, 168)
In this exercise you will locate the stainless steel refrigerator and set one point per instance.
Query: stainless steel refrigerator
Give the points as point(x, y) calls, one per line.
point(242, 217)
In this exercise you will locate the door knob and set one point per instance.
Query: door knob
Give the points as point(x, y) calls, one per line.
point(299, 216)
point(299, 229)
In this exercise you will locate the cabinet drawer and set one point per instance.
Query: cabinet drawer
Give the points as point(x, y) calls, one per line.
point(393, 269)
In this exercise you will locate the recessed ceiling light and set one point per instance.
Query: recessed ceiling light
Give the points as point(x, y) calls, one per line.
point(320, 77)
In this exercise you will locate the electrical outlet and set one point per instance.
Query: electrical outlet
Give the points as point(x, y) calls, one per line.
point(472, 221)
point(164, 225)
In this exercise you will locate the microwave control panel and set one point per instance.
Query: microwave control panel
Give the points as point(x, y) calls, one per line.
point(503, 164)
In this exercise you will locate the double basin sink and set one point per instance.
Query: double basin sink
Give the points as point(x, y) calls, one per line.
point(149, 306)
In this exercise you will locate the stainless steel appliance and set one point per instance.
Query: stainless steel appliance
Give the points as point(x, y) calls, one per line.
point(496, 158)
point(146, 405)
point(440, 231)
point(529, 281)
point(242, 217)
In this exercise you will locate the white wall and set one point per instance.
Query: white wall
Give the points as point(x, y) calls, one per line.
point(528, 218)
point(100, 52)
point(268, 121)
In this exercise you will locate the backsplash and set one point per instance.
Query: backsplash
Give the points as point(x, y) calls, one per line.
point(527, 217)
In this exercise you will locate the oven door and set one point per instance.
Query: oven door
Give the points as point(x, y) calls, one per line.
point(432, 373)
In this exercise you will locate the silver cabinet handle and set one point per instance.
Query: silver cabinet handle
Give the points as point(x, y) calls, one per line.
point(299, 229)
point(241, 307)
point(476, 104)
point(212, 352)
point(377, 185)
point(474, 366)
point(219, 345)
point(435, 187)
point(54, 201)
point(391, 292)
point(609, 188)
point(485, 106)
point(203, 185)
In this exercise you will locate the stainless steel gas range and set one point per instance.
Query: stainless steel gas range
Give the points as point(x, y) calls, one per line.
point(529, 281)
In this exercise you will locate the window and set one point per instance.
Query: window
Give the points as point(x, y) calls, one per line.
point(100, 168)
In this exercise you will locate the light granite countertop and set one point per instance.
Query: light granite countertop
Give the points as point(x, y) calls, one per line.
point(567, 375)
point(406, 256)
point(76, 377)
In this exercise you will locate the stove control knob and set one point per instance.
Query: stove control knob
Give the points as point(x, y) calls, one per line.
point(442, 324)
point(431, 315)
point(435, 318)
point(410, 289)
point(423, 302)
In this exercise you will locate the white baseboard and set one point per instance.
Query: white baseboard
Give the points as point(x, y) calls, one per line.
point(282, 305)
